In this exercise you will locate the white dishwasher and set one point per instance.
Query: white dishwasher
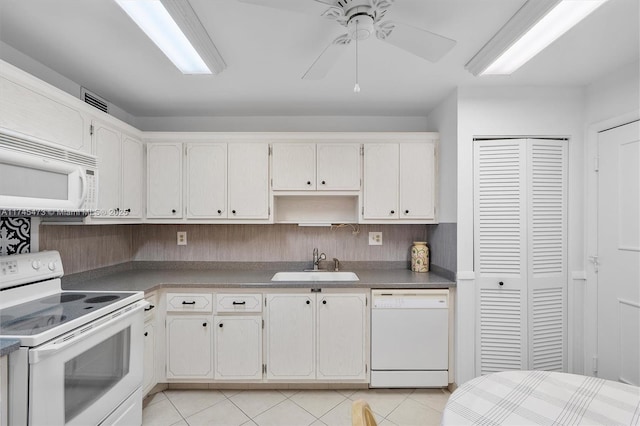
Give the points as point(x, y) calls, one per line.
point(409, 338)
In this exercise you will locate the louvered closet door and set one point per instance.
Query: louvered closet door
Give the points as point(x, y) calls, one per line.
point(547, 253)
point(520, 254)
point(499, 253)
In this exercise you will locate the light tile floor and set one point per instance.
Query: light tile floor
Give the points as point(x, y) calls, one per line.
point(400, 407)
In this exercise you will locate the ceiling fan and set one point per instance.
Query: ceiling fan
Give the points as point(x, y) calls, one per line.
point(362, 19)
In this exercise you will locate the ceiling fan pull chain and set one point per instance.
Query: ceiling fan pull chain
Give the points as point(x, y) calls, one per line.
point(356, 88)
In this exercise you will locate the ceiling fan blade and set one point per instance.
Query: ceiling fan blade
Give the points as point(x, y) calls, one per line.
point(422, 43)
point(314, 7)
point(327, 58)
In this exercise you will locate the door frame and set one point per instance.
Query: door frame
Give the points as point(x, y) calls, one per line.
point(590, 321)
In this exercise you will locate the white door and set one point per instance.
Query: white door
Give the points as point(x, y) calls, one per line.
point(294, 166)
point(238, 347)
point(206, 180)
point(107, 149)
point(248, 180)
point(417, 181)
point(149, 358)
point(499, 253)
point(132, 177)
point(189, 347)
point(290, 335)
point(338, 166)
point(619, 254)
point(164, 180)
point(342, 331)
point(381, 177)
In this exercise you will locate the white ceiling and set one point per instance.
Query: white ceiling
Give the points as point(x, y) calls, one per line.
point(267, 50)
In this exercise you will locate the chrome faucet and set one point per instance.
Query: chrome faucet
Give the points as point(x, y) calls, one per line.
point(317, 258)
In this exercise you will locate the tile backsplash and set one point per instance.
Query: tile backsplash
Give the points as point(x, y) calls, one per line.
point(88, 247)
point(15, 235)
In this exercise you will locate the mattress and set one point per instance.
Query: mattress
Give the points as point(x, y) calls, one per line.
point(542, 398)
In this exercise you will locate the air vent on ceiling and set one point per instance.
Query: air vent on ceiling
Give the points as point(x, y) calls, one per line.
point(94, 100)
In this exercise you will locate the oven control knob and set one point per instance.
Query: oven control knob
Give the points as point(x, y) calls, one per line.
point(36, 264)
point(52, 266)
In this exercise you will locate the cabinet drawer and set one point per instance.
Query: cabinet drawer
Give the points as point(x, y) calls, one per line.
point(238, 302)
point(189, 302)
point(150, 311)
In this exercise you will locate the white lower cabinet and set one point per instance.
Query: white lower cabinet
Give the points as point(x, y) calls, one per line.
point(317, 336)
point(238, 347)
point(189, 346)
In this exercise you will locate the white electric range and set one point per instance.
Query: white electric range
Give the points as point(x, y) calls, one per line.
point(80, 356)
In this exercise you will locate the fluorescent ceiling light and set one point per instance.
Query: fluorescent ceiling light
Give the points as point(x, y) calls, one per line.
point(534, 27)
point(154, 18)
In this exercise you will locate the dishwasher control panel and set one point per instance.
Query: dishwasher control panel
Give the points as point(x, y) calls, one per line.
point(418, 299)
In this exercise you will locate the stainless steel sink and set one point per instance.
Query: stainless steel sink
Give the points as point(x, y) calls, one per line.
point(315, 276)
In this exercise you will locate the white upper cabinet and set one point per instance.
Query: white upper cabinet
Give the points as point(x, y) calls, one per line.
point(248, 180)
point(164, 180)
point(120, 165)
point(32, 107)
point(310, 166)
point(399, 181)
point(206, 180)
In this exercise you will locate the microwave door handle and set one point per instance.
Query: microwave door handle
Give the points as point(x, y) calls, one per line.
point(83, 182)
point(38, 354)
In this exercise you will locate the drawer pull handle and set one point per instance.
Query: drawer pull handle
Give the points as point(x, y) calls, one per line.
point(184, 302)
point(244, 302)
point(148, 308)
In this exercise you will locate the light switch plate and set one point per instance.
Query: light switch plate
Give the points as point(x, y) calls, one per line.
point(182, 238)
point(375, 238)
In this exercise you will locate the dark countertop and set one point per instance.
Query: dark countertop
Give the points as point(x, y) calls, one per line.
point(8, 345)
point(152, 276)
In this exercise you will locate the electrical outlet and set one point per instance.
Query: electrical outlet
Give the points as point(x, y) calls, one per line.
point(182, 238)
point(375, 238)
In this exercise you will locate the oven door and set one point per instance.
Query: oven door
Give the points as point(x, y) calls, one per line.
point(82, 377)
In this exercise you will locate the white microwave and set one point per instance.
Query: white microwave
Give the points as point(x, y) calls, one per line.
point(38, 178)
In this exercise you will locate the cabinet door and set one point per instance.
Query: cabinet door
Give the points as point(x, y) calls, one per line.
point(381, 174)
point(417, 180)
point(338, 167)
point(132, 177)
point(294, 166)
point(189, 347)
point(342, 331)
point(290, 352)
point(149, 357)
point(164, 180)
point(238, 347)
point(248, 180)
point(107, 149)
point(206, 180)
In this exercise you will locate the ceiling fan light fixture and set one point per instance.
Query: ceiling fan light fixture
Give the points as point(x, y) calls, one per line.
point(175, 28)
point(534, 27)
point(360, 26)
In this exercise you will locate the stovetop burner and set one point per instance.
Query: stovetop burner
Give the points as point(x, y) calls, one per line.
point(39, 315)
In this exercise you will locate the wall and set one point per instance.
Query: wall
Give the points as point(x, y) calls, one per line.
point(89, 247)
point(614, 94)
point(522, 111)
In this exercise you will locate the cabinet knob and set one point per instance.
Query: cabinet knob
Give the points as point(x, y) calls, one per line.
point(173, 211)
point(128, 211)
point(308, 182)
point(219, 211)
point(220, 325)
point(324, 182)
point(233, 211)
point(406, 212)
point(204, 324)
point(308, 301)
point(501, 283)
point(393, 211)
point(324, 302)
point(146, 333)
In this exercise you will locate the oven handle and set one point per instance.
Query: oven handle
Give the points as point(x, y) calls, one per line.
point(38, 354)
